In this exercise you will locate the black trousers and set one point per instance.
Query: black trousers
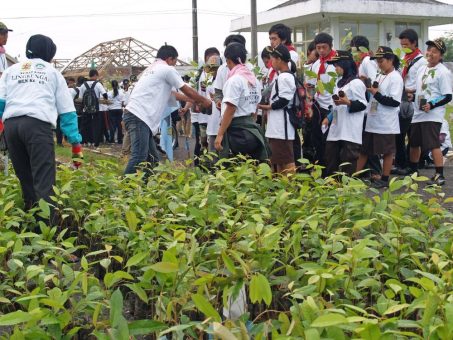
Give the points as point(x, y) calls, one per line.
point(401, 155)
point(116, 117)
point(92, 128)
point(197, 149)
point(59, 133)
point(341, 152)
point(318, 139)
point(31, 148)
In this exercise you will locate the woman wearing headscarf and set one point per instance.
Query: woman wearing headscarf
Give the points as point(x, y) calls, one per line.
point(33, 94)
point(238, 133)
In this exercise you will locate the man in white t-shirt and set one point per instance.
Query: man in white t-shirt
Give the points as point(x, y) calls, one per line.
point(433, 93)
point(92, 122)
point(148, 102)
point(413, 61)
point(322, 101)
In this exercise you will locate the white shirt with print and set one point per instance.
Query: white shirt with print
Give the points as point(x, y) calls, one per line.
point(348, 126)
point(445, 129)
point(240, 93)
point(3, 62)
point(36, 89)
point(384, 120)
point(276, 118)
point(437, 80)
point(152, 92)
point(324, 100)
point(117, 101)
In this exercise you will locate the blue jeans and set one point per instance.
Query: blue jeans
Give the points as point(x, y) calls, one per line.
point(143, 147)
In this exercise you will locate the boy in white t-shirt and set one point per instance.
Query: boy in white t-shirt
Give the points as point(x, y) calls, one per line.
point(433, 93)
point(148, 102)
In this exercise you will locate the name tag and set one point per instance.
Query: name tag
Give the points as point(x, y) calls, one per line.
point(373, 107)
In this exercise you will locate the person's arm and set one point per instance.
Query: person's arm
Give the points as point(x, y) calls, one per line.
point(197, 98)
point(3, 93)
point(225, 123)
point(181, 97)
point(444, 100)
point(386, 100)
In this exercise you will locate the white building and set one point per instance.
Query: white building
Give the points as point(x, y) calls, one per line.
point(381, 21)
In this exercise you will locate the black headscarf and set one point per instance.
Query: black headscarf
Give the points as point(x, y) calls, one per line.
point(40, 46)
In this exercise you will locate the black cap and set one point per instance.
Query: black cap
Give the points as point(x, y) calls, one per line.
point(340, 55)
point(4, 28)
point(439, 44)
point(383, 52)
point(282, 52)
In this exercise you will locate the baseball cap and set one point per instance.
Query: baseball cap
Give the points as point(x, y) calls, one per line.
point(383, 52)
point(439, 44)
point(4, 28)
point(340, 55)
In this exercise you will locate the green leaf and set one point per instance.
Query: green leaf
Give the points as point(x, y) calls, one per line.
point(396, 308)
point(145, 327)
point(362, 223)
point(132, 220)
point(222, 332)
point(14, 318)
point(116, 308)
point(228, 263)
point(328, 320)
point(45, 209)
point(205, 307)
point(311, 74)
point(136, 259)
point(165, 267)
point(137, 289)
point(260, 289)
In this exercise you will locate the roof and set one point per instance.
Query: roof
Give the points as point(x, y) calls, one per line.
point(121, 54)
point(297, 12)
point(429, 2)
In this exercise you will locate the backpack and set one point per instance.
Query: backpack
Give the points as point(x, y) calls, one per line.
point(295, 109)
point(90, 102)
point(77, 104)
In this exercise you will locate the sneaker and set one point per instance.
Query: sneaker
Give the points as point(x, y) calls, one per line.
point(379, 184)
point(437, 179)
point(404, 172)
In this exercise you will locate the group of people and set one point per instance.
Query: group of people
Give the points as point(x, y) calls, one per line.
point(277, 116)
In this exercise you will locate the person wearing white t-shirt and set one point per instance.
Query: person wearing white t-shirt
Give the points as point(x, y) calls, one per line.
point(279, 129)
point(413, 61)
point(238, 132)
point(344, 138)
point(92, 122)
point(147, 104)
point(32, 96)
point(3, 39)
point(433, 93)
point(382, 121)
point(322, 101)
point(116, 97)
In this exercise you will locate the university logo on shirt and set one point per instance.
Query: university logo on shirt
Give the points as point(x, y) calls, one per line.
point(26, 67)
point(40, 66)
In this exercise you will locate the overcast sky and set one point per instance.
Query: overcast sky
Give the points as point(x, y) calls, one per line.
point(77, 26)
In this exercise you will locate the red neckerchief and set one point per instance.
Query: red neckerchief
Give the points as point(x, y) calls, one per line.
point(408, 59)
point(362, 56)
point(322, 67)
point(290, 47)
point(272, 72)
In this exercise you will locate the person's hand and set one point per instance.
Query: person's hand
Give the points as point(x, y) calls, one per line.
point(426, 107)
point(206, 103)
point(410, 96)
point(77, 155)
point(325, 122)
point(218, 143)
point(265, 107)
point(342, 101)
point(218, 105)
point(182, 111)
point(372, 90)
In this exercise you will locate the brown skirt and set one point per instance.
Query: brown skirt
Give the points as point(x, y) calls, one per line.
point(282, 151)
point(378, 144)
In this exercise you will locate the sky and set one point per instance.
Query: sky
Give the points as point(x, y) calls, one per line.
point(77, 26)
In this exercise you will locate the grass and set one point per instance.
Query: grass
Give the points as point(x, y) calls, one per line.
point(449, 118)
point(65, 154)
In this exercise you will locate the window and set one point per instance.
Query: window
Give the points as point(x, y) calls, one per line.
point(401, 26)
point(305, 34)
point(369, 30)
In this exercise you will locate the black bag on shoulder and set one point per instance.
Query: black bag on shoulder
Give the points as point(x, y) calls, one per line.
point(296, 108)
point(90, 101)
